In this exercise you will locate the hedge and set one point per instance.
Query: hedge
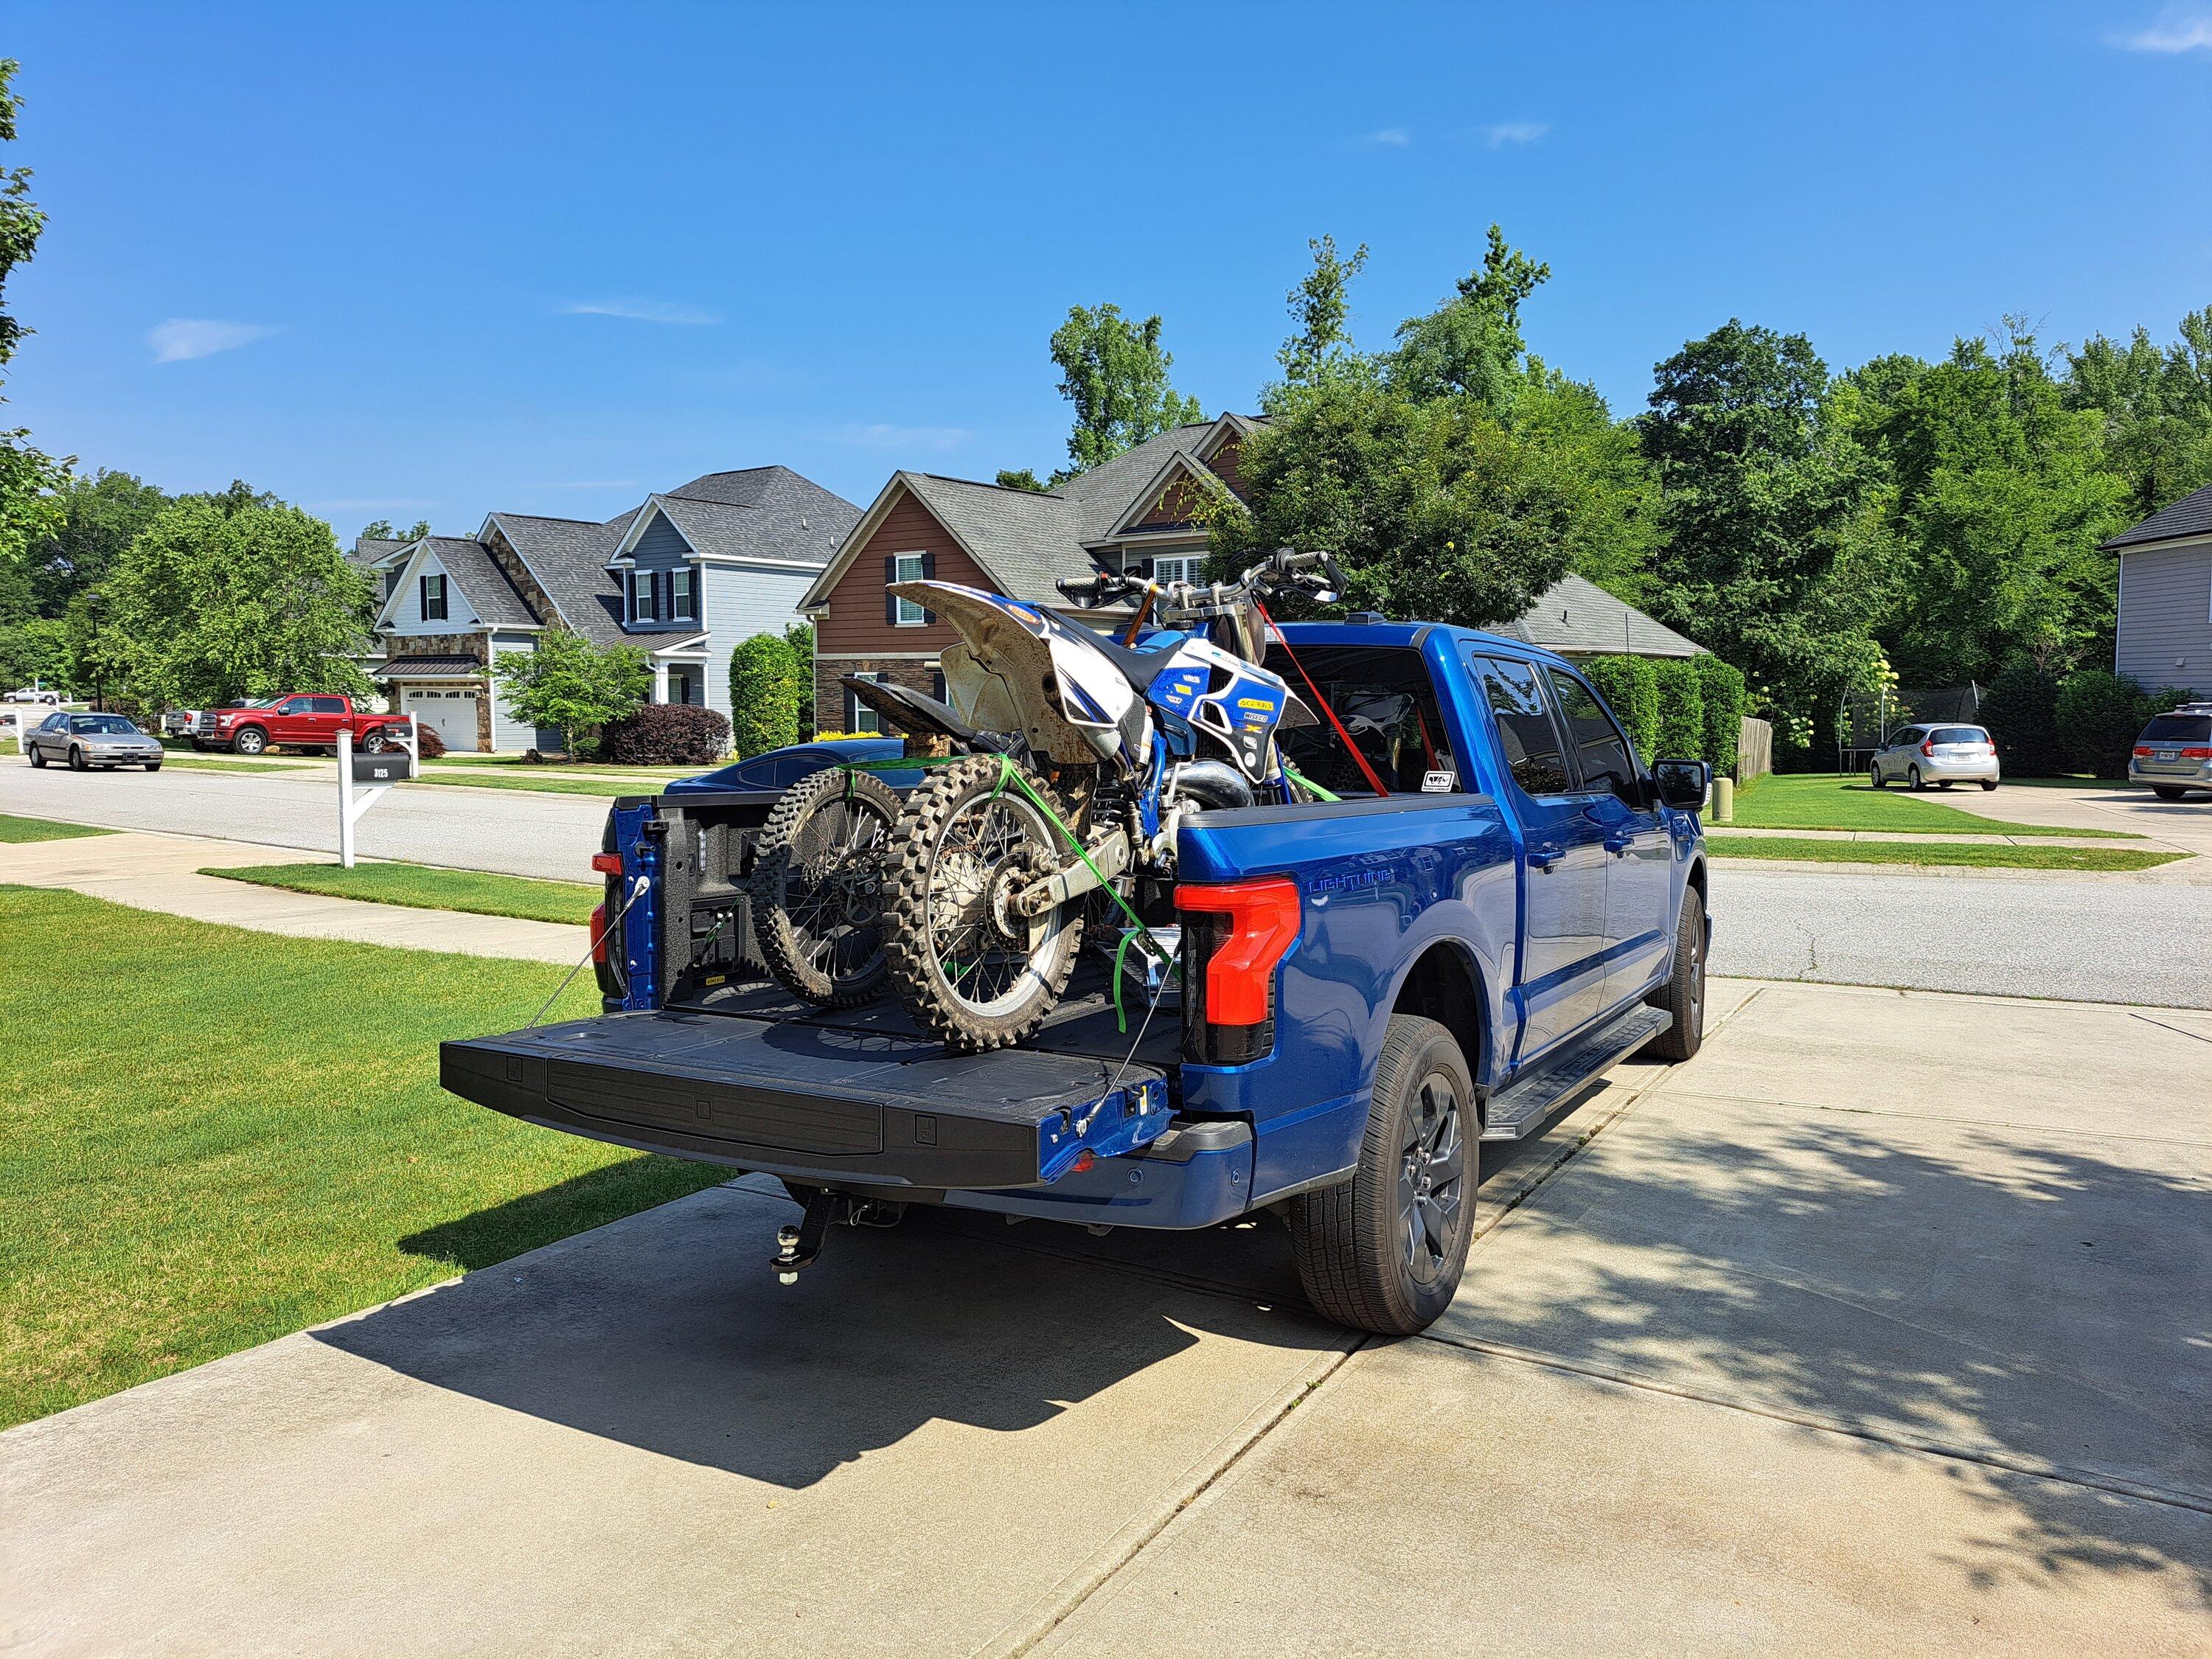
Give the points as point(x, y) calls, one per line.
point(1676, 706)
point(1630, 686)
point(1681, 709)
point(2100, 715)
point(1721, 689)
point(2021, 712)
point(765, 692)
point(666, 734)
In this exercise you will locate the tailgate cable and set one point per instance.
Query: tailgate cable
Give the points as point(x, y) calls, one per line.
point(636, 892)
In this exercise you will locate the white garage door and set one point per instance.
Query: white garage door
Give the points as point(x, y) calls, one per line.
point(452, 714)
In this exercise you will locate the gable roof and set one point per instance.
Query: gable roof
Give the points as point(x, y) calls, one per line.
point(488, 592)
point(1577, 617)
point(2190, 516)
point(786, 528)
point(569, 558)
point(369, 550)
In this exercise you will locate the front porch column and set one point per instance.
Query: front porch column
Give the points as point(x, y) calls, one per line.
point(659, 680)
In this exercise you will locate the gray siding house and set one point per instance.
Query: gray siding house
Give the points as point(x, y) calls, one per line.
point(684, 576)
point(2164, 636)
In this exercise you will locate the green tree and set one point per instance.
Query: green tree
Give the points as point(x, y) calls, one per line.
point(31, 651)
point(2155, 405)
point(763, 694)
point(2020, 709)
point(1115, 374)
point(1681, 710)
point(1021, 478)
point(1629, 686)
point(28, 478)
point(227, 596)
point(99, 517)
point(564, 683)
point(1321, 312)
point(1720, 687)
point(1471, 344)
point(380, 530)
point(1767, 556)
point(799, 637)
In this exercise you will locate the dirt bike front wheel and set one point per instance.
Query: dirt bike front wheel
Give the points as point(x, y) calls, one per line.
point(817, 887)
point(970, 971)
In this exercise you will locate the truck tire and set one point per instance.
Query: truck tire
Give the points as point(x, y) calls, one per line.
point(2163, 791)
point(375, 743)
point(817, 887)
point(963, 841)
point(1384, 1251)
point(248, 740)
point(1683, 995)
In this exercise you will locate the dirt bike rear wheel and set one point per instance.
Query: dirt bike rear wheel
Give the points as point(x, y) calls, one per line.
point(817, 887)
point(969, 971)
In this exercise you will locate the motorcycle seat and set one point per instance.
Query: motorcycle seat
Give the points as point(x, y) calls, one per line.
point(1139, 668)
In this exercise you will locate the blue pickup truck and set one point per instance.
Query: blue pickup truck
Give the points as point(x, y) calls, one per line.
point(1371, 986)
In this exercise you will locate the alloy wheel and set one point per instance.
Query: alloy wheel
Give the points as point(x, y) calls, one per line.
point(1431, 1177)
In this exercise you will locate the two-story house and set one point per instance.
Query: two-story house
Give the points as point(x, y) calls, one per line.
point(684, 575)
point(2164, 636)
point(1136, 511)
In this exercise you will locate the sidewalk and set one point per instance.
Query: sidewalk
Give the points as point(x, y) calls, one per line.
point(162, 873)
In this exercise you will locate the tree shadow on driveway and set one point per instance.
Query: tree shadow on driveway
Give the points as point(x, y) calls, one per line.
point(2023, 1300)
point(669, 1332)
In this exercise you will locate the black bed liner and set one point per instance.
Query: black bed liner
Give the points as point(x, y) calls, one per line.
point(748, 1076)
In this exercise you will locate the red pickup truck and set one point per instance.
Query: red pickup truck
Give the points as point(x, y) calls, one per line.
point(302, 720)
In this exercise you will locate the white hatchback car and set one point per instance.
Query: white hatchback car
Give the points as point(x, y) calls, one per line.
point(1940, 755)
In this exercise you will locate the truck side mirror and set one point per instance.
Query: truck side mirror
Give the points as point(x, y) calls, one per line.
point(1681, 784)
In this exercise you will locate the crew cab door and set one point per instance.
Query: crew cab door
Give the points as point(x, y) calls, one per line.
point(291, 720)
point(1639, 854)
point(1562, 969)
point(328, 716)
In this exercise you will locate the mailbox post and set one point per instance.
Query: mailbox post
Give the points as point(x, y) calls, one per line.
point(378, 772)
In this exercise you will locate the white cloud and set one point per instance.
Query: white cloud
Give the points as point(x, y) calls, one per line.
point(181, 338)
point(881, 436)
point(1499, 134)
point(643, 311)
point(2174, 32)
point(1387, 139)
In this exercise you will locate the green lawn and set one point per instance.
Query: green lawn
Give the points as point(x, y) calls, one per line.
point(1824, 801)
point(250, 1139)
point(540, 783)
point(215, 764)
point(1725, 846)
point(424, 888)
point(515, 762)
point(14, 828)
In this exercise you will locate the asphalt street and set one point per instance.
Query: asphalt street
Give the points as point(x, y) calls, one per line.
point(2107, 938)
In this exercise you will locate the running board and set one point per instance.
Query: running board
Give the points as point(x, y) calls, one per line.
point(1522, 1106)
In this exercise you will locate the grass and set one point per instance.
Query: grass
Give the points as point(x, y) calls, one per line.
point(16, 828)
point(210, 763)
point(540, 784)
point(224, 1156)
point(424, 888)
point(1824, 801)
point(1725, 846)
point(520, 764)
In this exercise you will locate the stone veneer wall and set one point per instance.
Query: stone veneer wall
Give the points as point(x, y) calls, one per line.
point(830, 696)
point(477, 646)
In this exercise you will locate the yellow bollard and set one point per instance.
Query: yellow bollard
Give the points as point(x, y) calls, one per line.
point(1723, 800)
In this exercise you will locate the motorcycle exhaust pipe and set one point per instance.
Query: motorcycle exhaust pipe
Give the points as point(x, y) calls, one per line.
point(1214, 783)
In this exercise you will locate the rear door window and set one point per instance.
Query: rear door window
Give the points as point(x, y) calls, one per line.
point(1601, 753)
point(1961, 734)
point(1531, 743)
point(2178, 728)
point(327, 705)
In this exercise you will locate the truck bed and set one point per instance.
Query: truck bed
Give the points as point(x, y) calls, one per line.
point(750, 1077)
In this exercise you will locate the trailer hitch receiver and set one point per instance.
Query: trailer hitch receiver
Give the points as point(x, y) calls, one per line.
point(797, 1247)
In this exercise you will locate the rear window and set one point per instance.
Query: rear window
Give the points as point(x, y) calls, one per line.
point(1961, 734)
point(2178, 728)
point(1383, 697)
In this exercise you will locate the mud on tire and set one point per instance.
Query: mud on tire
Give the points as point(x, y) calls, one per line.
point(961, 841)
point(817, 886)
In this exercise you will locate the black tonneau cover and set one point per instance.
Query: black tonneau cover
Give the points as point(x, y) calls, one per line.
point(751, 1078)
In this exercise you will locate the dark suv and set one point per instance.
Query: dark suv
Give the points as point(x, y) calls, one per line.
point(2173, 755)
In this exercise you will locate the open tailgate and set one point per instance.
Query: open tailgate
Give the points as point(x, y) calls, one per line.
point(814, 1100)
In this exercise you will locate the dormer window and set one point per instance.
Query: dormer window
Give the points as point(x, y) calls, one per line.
point(434, 599)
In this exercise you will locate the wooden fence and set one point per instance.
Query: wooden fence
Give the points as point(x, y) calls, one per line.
point(1754, 748)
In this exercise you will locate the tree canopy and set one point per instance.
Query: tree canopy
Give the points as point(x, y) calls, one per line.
point(28, 478)
point(566, 685)
point(1114, 371)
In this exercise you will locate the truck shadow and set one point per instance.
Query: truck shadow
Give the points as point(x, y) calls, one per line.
point(669, 1333)
point(2024, 1302)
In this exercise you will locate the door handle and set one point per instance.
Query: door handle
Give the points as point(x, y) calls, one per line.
point(1619, 842)
point(1543, 858)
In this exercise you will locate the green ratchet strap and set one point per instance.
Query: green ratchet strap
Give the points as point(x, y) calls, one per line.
point(1307, 783)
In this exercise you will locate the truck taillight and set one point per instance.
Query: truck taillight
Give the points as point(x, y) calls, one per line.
point(599, 933)
point(1234, 936)
point(607, 864)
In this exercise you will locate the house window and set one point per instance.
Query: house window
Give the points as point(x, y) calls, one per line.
point(682, 604)
point(434, 599)
point(907, 568)
point(1176, 570)
point(641, 596)
point(859, 717)
point(685, 684)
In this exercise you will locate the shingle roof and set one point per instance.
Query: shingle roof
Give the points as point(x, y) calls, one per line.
point(2190, 516)
point(368, 549)
point(773, 528)
point(569, 558)
point(1026, 540)
point(488, 593)
point(1578, 617)
point(1102, 495)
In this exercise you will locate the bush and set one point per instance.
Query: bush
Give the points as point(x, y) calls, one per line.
point(763, 694)
point(2020, 709)
point(433, 747)
point(1721, 689)
point(666, 734)
point(1630, 686)
point(1681, 710)
point(2100, 716)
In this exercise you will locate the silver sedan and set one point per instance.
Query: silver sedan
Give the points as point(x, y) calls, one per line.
point(83, 741)
point(1940, 755)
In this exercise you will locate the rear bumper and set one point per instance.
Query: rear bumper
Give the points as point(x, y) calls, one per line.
point(1937, 770)
point(2171, 774)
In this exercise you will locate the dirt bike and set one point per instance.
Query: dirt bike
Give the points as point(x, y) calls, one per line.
point(1078, 758)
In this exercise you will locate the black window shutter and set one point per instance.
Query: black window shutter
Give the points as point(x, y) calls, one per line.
point(422, 596)
point(630, 596)
point(665, 604)
point(929, 574)
point(890, 601)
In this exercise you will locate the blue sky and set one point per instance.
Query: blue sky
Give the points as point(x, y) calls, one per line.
point(400, 261)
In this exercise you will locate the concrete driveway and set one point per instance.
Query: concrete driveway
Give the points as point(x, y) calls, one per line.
point(2184, 825)
point(1819, 1341)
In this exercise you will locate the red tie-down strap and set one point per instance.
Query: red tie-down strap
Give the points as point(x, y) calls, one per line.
point(1358, 759)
